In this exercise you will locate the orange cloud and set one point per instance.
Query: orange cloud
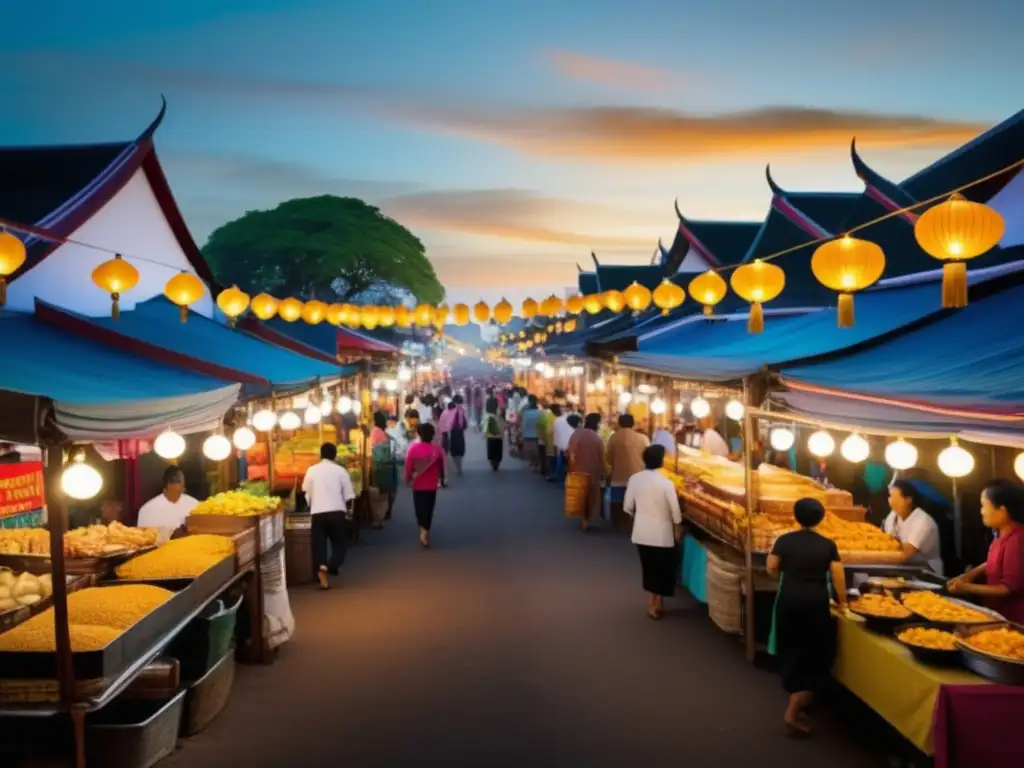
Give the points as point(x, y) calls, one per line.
point(608, 72)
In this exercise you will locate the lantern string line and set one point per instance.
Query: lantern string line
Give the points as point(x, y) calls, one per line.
point(45, 234)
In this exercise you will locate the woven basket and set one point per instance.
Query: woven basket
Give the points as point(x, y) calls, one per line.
point(724, 601)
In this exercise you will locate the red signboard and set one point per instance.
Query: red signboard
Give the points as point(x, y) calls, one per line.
point(21, 487)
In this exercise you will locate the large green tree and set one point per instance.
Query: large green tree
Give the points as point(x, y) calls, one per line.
point(329, 248)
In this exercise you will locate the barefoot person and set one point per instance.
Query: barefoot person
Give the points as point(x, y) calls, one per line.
point(329, 493)
point(425, 472)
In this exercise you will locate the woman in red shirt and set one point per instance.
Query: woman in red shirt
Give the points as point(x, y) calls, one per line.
point(425, 472)
point(1002, 509)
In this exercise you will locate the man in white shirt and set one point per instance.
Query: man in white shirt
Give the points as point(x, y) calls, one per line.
point(168, 511)
point(916, 530)
point(666, 438)
point(711, 440)
point(561, 432)
point(329, 493)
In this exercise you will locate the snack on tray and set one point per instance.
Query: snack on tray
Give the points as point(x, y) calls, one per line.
point(23, 589)
point(183, 558)
point(236, 504)
point(927, 637)
point(118, 607)
point(936, 608)
point(884, 606)
point(24, 541)
point(96, 540)
point(1008, 643)
point(36, 634)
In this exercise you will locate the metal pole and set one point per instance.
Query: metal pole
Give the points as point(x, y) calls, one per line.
point(750, 491)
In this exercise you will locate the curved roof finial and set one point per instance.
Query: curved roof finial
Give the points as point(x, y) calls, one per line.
point(151, 129)
point(776, 189)
point(859, 166)
point(594, 257)
point(679, 214)
point(579, 268)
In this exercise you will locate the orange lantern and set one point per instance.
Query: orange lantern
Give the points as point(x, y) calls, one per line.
point(424, 315)
point(12, 256)
point(757, 282)
point(314, 312)
point(503, 312)
point(264, 306)
point(351, 316)
point(335, 314)
point(667, 296)
point(460, 314)
point(574, 305)
point(289, 310)
point(709, 289)
point(593, 303)
point(184, 289)
point(614, 301)
point(115, 277)
point(638, 297)
point(481, 312)
point(847, 265)
point(385, 316)
point(570, 325)
point(368, 317)
point(954, 232)
point(403, 317)
point(233, 302)
point(551, 306)
point(530, 308)
point(440, 317)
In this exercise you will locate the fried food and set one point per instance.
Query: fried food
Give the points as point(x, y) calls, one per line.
point(936, 608)
point(24, 541)
point(236, 504)
point(96, 540)
point(884, 606)
point(1008, 643)
point(927, 637)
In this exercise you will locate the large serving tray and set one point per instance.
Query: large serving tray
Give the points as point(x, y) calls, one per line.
point(110, 662)
point(999, 669)
point(12, 617)
point(73, 566)
point(994, 616)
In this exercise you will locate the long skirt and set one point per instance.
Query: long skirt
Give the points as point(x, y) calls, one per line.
point(659, 569)
point(457, 442)
point(805, 637)
point(423, 502)
point(495, 449)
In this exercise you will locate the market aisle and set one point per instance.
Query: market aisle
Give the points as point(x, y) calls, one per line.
point(515, 641)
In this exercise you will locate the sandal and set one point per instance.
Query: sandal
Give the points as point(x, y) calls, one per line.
point(321, 575)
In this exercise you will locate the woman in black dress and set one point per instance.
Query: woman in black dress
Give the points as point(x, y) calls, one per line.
point(804, 630)
point(457, 435)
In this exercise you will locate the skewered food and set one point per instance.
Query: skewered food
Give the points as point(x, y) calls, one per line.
point(1005, 642)
point(885, 606)
point(236, 504)
point(182, 558)
point(936, 608)
point(927, 637)
point(116, 606)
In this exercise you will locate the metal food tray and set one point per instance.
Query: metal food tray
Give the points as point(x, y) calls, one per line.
point(936, 656)
point(74, 566)
point(1000, 669)
point(995, 616)
point(110, 662)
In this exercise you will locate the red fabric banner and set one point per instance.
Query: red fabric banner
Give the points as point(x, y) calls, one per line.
point(21, 487)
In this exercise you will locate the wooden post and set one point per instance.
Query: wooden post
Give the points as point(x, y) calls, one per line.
point(750, 493)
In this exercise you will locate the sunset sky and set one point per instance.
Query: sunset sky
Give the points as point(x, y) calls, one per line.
point(513, 138)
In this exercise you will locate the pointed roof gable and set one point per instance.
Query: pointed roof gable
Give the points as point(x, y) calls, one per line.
point(714, 243)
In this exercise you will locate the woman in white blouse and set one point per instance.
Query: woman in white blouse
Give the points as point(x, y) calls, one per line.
point(657, 527)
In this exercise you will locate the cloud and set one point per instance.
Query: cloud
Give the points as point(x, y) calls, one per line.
point(609, 72)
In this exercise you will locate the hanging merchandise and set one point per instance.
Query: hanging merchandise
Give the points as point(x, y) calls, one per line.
point(12, 256)
point(955, 461)
point(709, 289)
point(667, 296)
point(503, 312)
point(115, 277)
point(289, 310)
point(481, 313)
point(184, 289)
point(757, 283)
point(847, 265)
point(264, 306)
point(955, 232)
point(900, 455)
point(638, 297)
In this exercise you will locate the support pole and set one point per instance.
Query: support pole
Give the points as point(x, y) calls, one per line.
point(750, 494)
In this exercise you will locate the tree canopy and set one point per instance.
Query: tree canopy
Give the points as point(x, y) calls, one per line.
point(329, 248)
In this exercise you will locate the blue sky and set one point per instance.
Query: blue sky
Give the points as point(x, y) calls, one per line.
point(513, 138)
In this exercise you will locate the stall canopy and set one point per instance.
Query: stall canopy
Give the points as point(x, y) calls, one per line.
point(154, 330)
point(99, 392)
point(325, 338)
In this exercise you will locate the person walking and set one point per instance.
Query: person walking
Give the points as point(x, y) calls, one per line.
point(652, 502)
point(425, 473)
point(382, 470)
point(494, 435)
point(624, 457)
point(329, 493)
point(586, 455)
point(529, 416)
point(453, 424)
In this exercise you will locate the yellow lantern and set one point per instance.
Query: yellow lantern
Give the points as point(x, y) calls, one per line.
point(529, 343)
point(522, 346)
point(550, 328)
point(12, 256)
point(522, 334)
point(424, 315)
point(638, 297)
point(537, 337)
point(368, 317)
point(233, 302)
point(530, 308)
point(614, 300)
point(667, 296)
point(184, 289)
point(551, 306)
point(351, 315)
point(460, 314)
point(115, 277)
point(574, 305)
point(593, 303)
point(570, 325)
point(440, 317)
point(502, 312)
point(314, 312)
point(264, 306)
point(757, 282)
point(481, 312)
point(336, 314)
point(709, 289)
point(559, 326)
point(847, 265)
point(954, 232)
point(289, 310)
point(385, 316)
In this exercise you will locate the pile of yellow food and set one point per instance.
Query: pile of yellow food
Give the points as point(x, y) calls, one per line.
point(236, 504)
point(23, 589)
point(183, 558)
point(95, 540)
point(24, 541)
point(96, 617)
point(856, 537)
point(927, 637)
point(936, 608)
point(885, 606)
point(1005, 642)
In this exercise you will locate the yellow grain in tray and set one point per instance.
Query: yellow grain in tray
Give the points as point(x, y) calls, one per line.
point(36, 634)
point(183, 558)
point(115, 606)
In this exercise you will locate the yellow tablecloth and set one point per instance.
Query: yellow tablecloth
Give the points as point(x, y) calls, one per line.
point(886, 677)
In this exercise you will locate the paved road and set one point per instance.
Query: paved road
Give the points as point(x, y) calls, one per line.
point(514, 641)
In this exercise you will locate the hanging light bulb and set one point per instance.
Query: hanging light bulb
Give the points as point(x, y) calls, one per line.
point(357, 407)
point(900, 455)
point(657, 406)
point(326, 405)
point(821, 444)
point(700, 407)
point(344, 404)
point(80, 480)
point(244, 438)
point(855, 448)
point(264, 420)
point(169, 445)
point(312, 415)
point(954, 461)
point(625, 398)
point(734, 410)
point(216, 447)
point(678, 408)
point(781, 438)
point(290, 421)
point(1018, 465)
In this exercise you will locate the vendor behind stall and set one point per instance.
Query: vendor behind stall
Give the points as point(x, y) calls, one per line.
point(168, 511)
point(915, 529)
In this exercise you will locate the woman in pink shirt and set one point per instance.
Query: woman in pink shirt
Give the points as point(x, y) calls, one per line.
point(425, 472)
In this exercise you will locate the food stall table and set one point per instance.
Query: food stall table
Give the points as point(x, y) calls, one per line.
point(937, 709)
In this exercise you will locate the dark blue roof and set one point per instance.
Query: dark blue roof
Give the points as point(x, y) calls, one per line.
point(726, 241)
point(620, 277)
point(587, 283)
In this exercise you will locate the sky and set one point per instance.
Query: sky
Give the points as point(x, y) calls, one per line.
point(514, 139)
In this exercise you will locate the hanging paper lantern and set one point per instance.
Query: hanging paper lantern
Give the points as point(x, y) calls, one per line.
point(855, 448)
point(312, 415)
point(900, 455)
point(440, 317)
point(954, 461)
point(289, 421)
point(847, 265)
point(570, 325)
point(264, 420)
point(424, 315)
point(700, 407)
point(244, 438)
point(385, 316)
point(169, 445)
point(216, 447)
point(184, 289)
point(734, 410)
point(530, 309)
point(12, 256)
point(709, 289)
point(404, 317)
point(115, 277)
point(593, 303)
point(757, 283)
point(667, 296)
point(551, 306)
point(289, 310)
point(821, 444)
point(638, 297)
point(614, 301)
point(781, 439)
point(368, 317)
point(460, 314)
point(335, 314)
point(314, 312)
point(233, 302)
point(574, 305)
point(481, 312)
point(264, 306)
point(955, 232)
point(502, 312)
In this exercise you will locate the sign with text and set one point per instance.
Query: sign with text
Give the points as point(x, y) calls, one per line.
point(21, 488)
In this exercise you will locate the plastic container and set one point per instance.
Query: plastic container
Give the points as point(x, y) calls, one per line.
point(208, 696)
point(206, 639)
point(133, 734)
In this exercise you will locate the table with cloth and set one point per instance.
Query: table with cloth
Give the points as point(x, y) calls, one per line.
point(951, 713)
